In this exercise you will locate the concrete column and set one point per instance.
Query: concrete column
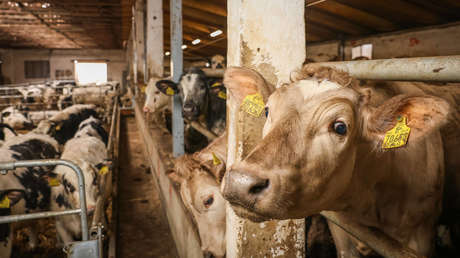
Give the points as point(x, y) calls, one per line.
point(154, 43)
point(140, 38)
point(268, 36)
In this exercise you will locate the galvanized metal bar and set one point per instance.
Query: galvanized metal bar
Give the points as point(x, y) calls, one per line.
point(38, 215)
point(213, 72)
point(378, 241)
point(6, 166)
point(176, 71)
point(439, 68)
point(134, 39)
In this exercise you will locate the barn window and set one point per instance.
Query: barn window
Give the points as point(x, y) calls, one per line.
point(37, 69)
point(90, 72)
point(361, 52)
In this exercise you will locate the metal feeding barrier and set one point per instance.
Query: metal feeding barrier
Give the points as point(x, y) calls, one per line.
point(85, 248)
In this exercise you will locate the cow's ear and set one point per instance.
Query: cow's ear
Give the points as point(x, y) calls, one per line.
point(167, 87)
point(422, 114)
point(216, 166)
point(175, 178)
point(241, 82)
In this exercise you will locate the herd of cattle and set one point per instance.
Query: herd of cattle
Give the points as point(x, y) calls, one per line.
point(75, 133)
point(323, 149)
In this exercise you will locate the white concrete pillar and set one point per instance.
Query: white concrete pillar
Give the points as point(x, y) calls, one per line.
point(268, 36)
point(140, 38)
point(154, 43)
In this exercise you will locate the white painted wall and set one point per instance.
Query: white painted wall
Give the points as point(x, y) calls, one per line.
point(13, 61)
point(432, 41)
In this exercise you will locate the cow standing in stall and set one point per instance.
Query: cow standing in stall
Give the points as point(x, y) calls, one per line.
point(199, 176)
point(25, 190)
point(202, 98)
point(88, 150)
point(331, 147)
point(64, 124)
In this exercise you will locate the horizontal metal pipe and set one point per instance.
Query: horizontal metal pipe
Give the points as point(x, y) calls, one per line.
point(38, 215)
point(204, 131)
point(5, 166)
point(378, 241)
point(439, 68)
point(213, 72)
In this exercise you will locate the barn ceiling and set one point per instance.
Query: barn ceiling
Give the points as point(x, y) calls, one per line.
point(106, 24)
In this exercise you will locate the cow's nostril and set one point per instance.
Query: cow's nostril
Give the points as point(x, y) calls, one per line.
point(207, 254)
point(259, 186)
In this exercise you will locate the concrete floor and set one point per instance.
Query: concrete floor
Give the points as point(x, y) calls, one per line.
point(143, 230)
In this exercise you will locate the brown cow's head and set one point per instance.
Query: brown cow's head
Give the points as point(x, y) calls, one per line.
point(305, 162)
point(200, 193)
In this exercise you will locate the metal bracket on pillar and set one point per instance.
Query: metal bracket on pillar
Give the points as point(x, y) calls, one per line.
point(176, 71)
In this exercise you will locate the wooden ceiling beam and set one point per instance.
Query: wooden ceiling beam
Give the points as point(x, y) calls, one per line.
point(206, 6)
point(399, 12)
point(335, 22)
point(357, 15)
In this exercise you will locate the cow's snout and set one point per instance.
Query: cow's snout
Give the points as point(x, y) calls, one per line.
point(189, 107)
point(244, 188)
point(146, 109)
point(219, 66)
point(90, 209)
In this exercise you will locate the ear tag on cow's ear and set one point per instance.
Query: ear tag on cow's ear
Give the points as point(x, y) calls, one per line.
point(5, 203)
point(143, 89)
point(398, 135)
point(253, 104)
point(215, 160)
point(169, 91)
point(53, 182)
point(216, 84)
point(222, 95)
point(104, 170)
point(58, 127)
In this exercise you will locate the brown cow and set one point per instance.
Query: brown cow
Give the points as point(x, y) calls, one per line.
point(322, 150)
point(199, 177)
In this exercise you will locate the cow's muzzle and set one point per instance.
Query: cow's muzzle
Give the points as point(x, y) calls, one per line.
point(191, 111)
point(244, 189)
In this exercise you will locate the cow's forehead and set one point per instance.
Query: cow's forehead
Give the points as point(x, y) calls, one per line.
point(189, 83)
point(311, 88)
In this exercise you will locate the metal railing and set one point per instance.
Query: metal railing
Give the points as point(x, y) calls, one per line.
point(5, 167)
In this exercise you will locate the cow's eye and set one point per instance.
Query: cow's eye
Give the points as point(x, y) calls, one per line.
point(339, 127)
point(208, 202)
point(266, 111)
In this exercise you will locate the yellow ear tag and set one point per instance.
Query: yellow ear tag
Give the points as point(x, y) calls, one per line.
point(143, 89)
point(5, 203)
point(253, 104)
point(169, 91)
point(215, 160)
point(216, 84)
point(398, 135)
point(222, 95)
point(58, 127)
point(52, 182)
point(104, 170)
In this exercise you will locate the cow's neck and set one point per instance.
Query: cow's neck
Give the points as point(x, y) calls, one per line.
point(393, 191)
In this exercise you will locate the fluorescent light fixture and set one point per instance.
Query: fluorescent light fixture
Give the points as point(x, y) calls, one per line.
point(184, 46)
point(196, 41)
point(167, 53)
point(208, 64)
point(215, 33)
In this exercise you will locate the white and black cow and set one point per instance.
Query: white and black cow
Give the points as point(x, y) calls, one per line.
point(202, 98)
point(15, 118)
point(218, 62)
point(64, 124)
point(89, 152)
point(25, 190)
point(6, 133)
point(92, 127)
